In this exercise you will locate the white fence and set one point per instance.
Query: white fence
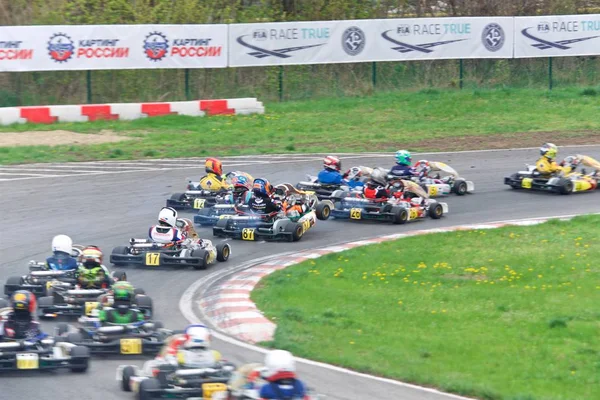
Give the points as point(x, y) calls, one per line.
point(92, 47)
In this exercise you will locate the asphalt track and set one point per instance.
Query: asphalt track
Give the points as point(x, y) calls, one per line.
point(107, 209)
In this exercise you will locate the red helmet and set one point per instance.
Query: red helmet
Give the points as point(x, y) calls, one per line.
point(332, 162)
point(213, 166)
point(23, 300)
point(91, 255)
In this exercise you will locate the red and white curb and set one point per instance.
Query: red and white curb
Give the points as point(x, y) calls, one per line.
point(127, 111)
point(227, 304)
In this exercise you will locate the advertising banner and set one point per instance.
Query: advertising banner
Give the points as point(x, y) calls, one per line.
point(556, 36)
point(90, 47)
point(324, 42)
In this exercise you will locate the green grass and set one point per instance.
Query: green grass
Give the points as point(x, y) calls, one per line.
point(510, 313)
point(382, 122)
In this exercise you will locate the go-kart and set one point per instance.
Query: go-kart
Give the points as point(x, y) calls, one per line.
point(192, 377)
point(76, 302)
point(324, 191)
point(144, 337)
point(39, 276)
point(560, 182)
point(193, 251)
point(436, 185)
point(415, 204)
point(196, 198)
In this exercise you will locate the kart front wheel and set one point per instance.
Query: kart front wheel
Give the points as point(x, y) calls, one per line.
point(223, 252)
point(436, 211)
point(80, 357)
point(126, 375)
point(61, 329)
point(460, 188)
point(566, 186)
point(204, 257)
point(147, 386)
point(12, 284)
point(323, 211)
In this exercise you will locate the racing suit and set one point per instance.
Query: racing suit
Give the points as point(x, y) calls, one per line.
point(283, 386)
point(204, 358)
point(60, 261)
point(93, 278)
point(546, 166)
point(263, 205)
point(330, 177)
point(165, 234)
point(238, 198)
point(378, 192)
point(403, 171)
point(213, 182)
point(18, 326)
point(113, 316)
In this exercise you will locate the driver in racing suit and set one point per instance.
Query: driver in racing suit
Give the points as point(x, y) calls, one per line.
point(213, 180)
point(242, 190)
point(546, 164)
point(330, 175)
point(91, 273)
point(378, 187)
point(19, 323)
point(402, 168)
point(121, 312)
point(61, 259)
point(166, 231)
point(261, 201)
point(195, 339)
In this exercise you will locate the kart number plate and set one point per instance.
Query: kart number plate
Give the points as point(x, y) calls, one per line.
point(199, 203)
point(355, 213)
point(153, 259)
point(248, 234)
point(208, 389)
point(131, 346)
point(225, 216)
point(433, 190)
point(306, 225)
point(28, 361)
point(90, 306)
point(413, 213)
point(526, 183)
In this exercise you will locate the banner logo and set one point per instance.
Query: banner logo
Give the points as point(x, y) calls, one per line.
point(279, 53)
point(493, 37)
point(423, 47)
point(156, 46)
point(559, 44)
point(60, 47)
point(353, 40)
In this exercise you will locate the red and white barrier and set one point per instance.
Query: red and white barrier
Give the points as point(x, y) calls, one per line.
point(127, 111)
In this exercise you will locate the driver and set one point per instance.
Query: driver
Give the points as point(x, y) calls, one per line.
point(330, 175)
point(546, 164)
point(91, 273)
point(195, 340)
point(166, 231)
point(376, 185)
point(61, 259)
point(280, 375)
point(121, 312)
point(19, 324)
point(261, 201)
point(242, 190)
point(402, 167)
point(213, 180)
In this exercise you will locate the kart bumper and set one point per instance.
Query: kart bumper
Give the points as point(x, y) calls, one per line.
point(124, 347)
point(163, 260)
point(535, 185)
point(8, 362)
point(258, 234)
point(364, 215)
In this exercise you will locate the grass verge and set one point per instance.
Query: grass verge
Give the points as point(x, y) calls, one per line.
point(510, 313)
point(426, 120)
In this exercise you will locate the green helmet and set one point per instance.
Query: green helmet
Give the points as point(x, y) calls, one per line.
point(123, 291)
point(403, 157)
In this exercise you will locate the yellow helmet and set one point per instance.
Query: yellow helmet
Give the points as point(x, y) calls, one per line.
point(549, 150)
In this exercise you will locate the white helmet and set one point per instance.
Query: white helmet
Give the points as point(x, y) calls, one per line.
point(167, 216)
point(277, 361)
point(62, 243)
point(198, 337)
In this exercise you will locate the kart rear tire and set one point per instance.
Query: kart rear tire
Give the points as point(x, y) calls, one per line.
point(460, 188)
point(137, 291)
point(82, 353)
point(121, 251)
point(436, 211)
point(323, 211)
point(61, 329)
point(223, 252)
point(126, 374)
point(295, 230)
point(144, 302)
point(47, 301)
point(566, 186)
point(400, 215)
point(146, 388)
point(74, 337)
point(178, 196)
point(120, 275)
point(12, 284)
point(203, 255)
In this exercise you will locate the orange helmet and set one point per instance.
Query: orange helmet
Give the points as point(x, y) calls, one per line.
point(23, 300)
point(91, 255)
point(213, 166)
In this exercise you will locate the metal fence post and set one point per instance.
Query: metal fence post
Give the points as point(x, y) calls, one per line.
point(461, 73)
point(281, 83)
point(550, 73)
point(88, 76)
point(374, 73)
point(187, 83)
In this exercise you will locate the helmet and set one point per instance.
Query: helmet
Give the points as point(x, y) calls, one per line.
point(354, 173)
point(230, 176)
point(379, 176)
point(422, 167)
point(91, 256)
point(262, 187)
point(398, 186)
point(279, 362)
point(571, 161)
point(123, 294)
point(332, 163)
point(23, 301)
point(197, 337)
point(213, 166)
point(62, 243)
point(549, 150)
point(167, 216)
point(241, 184)
point(403, 157)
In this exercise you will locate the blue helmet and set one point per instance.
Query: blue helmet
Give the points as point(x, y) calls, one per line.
point(262, 187)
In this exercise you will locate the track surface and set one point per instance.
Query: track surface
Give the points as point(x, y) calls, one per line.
point(107, 209)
